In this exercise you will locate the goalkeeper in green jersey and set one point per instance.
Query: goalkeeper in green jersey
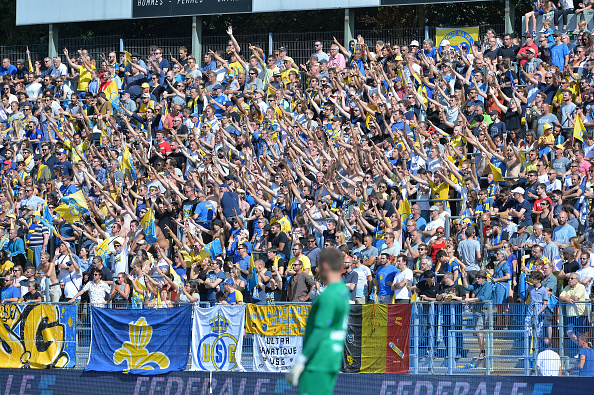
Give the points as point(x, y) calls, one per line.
point(316, 369)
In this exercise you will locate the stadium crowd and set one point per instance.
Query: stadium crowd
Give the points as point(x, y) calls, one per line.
point(469, 163)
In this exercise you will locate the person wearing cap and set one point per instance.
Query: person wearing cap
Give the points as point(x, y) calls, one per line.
point(435, 223)
point(232, 295)
point(570, 265)
point(482, 292)
point(496, 128)
point(523, 208)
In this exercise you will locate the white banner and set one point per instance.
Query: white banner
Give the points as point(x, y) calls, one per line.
point(276, 353)
point(217, 338)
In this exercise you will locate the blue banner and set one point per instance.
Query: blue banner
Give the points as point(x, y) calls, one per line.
point(146, 342)
point(53, 328)
point(75, 382)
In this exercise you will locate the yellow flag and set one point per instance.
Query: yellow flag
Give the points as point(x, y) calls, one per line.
point(127, 58)
point(496, 173)
point(177, 280)
point(404, 211)
point(140, 285)
point(102, 248)
point(579, 129)
point(73, 207)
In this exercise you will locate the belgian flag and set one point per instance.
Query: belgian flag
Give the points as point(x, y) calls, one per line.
point(377, 339)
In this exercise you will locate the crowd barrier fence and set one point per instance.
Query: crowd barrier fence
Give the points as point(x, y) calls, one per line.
point(443, 337)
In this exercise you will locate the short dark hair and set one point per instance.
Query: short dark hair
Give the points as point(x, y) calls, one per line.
point(332, 257)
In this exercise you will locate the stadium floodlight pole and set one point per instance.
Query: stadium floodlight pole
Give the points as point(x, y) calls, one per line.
point(349, 26)
point(197, 38)
point(52, 42)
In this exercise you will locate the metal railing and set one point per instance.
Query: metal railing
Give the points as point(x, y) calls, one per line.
point(445, 339)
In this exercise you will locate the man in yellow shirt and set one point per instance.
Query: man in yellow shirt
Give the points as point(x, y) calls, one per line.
point(299, 256)
point(288, 68)
point(577, 321)
point(284, 222)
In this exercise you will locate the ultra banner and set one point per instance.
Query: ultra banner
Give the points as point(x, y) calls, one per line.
point(37, 336)
point(276, 353)
point(217, 338)
point(278, 335)
point(279, 320)
point(464, 36)
point(148, 341)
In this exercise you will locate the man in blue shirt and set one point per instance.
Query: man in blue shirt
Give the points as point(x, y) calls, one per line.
point(384, 278)
point(559, 53)
point(16, 246)
point(7, 68)
point(11, 292)
point(482, 293)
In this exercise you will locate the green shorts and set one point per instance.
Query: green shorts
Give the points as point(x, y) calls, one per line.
point(317, 383)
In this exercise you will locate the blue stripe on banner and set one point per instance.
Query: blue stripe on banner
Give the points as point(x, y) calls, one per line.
point(146, 342)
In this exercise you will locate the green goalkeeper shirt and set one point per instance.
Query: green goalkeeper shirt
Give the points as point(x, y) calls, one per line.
point(326, 329)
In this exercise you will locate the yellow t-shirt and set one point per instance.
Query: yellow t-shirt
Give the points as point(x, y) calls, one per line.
point(304, 260)
point(546, 139)
point(573, 310)
point(284, 223)
point(6, 266)
point(82, 147)
point(84, 78)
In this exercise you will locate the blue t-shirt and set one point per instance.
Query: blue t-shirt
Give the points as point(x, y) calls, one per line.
point(562, 234)
point(10, 70)
point(557, 54)
point(205, 211)
point(211, 293)
point(588, 369)
point(10, 292)
point(384, 274)
point(230, 201)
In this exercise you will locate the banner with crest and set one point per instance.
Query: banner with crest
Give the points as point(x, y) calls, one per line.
point(217, 338)
point(146, 342)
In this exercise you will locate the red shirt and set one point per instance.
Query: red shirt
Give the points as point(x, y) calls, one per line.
point(165, 148)
point(523, 49)
point(537, 207)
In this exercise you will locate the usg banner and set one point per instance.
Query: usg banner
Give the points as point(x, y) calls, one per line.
point(464, 36)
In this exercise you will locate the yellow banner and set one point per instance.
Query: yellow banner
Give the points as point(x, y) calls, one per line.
point(464, 36)
point(276, 320)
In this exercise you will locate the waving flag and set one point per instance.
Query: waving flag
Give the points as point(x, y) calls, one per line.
point(127, 162)
point(579, 129)
point(47, 219)
point(405, 212)
point(111, 93)
point(102, 249)
point(148, 227)
point(146, 342)
point(73, 207)
point(496, 172)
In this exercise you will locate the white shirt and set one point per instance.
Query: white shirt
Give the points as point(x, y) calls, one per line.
point(548, 362)
point(72, 283)
point(585, 273)
point(403, 293)
point(362, 284)
point(60, 71)
point(97, 292)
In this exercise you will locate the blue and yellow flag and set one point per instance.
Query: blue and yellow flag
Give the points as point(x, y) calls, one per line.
point(102, 249)
point(148, 227)
point(496, 173)
point(579, 129)
point(405, 212)
point(140, 341)
point(47, 219)
point(127, 162)
point(212, 250)
point(73, 207)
